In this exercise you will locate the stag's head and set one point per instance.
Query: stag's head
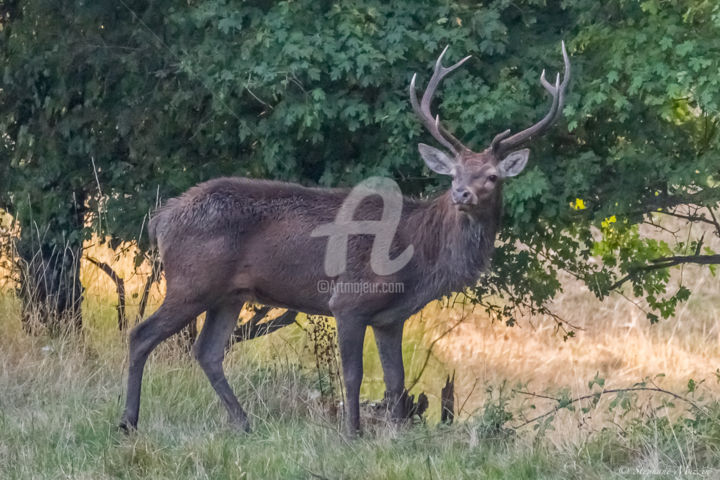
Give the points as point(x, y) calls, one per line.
point(476, 176)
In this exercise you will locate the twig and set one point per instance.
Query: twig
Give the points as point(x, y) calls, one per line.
point(429, 352)
point(265, 104)
point(472, 390)
point(714, 221)
point(660, 227)
point(690, 218)
point(538, 395)
point(598, 395)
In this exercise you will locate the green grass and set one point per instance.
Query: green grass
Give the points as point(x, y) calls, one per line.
point(60, 400)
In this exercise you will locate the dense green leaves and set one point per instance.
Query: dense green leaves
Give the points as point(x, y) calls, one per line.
point(106, 107)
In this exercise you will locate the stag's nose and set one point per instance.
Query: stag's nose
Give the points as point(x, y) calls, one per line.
point(461, 196)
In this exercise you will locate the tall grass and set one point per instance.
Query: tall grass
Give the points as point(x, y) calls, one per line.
point(60, 398)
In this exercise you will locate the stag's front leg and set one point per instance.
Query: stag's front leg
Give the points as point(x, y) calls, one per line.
point(351, 336)
point(389, 343)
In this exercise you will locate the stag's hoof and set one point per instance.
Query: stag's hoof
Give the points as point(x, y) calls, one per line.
point(240, 425)
point(127, 426)
point(353, 431)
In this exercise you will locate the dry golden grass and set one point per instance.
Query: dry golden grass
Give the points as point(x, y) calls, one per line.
point(614, 339)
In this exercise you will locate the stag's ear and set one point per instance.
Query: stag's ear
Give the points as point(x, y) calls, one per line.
point(514, 163)
point(436, 160)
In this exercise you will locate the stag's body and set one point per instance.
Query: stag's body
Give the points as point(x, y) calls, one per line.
point(232, 240)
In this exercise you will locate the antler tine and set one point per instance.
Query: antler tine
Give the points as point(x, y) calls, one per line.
point(422, 108)
point(427, 121)
point(438, 74)
point(550, 88)
point(557, 92)
point(499, 137)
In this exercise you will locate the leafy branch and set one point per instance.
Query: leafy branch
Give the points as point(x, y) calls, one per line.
point(566, 402)
point(667, 262)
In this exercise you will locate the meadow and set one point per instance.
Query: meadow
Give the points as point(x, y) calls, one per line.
point(108, 109)
point(60, 398)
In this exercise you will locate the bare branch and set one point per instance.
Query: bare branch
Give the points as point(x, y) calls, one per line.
point(154, 277)
point(119, 286)
point(690, 218)
point(254, 329)
point(714, 221)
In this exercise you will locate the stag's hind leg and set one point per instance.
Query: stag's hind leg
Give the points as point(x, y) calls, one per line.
point(167, 320)
point(209, 351)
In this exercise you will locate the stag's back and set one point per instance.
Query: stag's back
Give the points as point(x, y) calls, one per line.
point(237, 206)
point(243, 234)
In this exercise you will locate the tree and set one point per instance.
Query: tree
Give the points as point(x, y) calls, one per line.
point(644, 144)
point(110, 107)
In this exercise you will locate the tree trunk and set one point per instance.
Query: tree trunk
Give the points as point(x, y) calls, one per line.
point(50, 288)
point(49, 258)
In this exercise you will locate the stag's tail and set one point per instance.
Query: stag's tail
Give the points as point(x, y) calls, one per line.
point(158, 222)
point(153, 226)
point(152, 229)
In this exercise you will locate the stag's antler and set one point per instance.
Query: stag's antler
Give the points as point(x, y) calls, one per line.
point(502, 144)
point(422, 109)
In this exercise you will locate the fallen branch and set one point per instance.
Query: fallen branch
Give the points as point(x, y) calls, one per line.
point(253, 328)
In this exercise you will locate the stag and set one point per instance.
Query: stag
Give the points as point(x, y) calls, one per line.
point(229, 241)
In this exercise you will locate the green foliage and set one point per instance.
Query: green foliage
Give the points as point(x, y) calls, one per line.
point(107, 107)
point(496, 414)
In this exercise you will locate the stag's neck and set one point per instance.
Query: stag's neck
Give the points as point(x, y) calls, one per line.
point(457, 246)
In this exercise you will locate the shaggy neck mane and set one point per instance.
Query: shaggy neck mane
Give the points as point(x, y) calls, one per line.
point(456, 246)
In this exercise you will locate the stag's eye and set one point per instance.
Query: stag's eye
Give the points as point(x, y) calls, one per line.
point(492, 178)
